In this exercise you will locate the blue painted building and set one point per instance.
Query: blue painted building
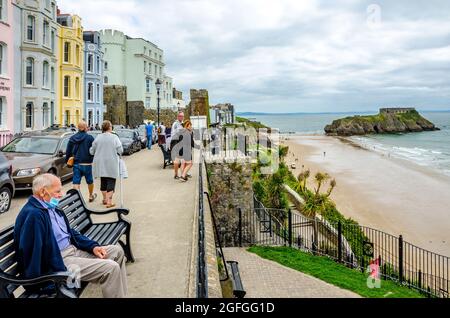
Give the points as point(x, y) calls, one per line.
point(93, 78)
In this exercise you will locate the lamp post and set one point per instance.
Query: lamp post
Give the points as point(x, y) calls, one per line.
point(158, 88)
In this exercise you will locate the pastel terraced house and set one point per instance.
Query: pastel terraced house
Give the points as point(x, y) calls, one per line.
point(136, 63)
point(6, 72)
point(93, 78)
point(35, 64)
point(71, 64)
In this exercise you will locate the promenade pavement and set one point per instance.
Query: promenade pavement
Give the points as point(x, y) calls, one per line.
point(162, 215)
point(263, 278)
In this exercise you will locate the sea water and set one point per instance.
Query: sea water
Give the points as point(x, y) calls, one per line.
point(425, 148)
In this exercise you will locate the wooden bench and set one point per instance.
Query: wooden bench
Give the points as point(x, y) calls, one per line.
point(79, 217)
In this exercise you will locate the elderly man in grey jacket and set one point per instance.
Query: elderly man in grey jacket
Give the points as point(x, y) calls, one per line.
point(106, 150)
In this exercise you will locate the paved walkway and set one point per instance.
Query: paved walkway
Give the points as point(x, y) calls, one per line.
point(162, 215)
point(267, 279)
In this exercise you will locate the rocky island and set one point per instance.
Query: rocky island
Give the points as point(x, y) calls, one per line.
point(389, 120)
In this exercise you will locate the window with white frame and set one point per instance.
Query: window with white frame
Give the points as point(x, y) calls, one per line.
point(45, 33)
point(105, 80)
point(2, 58)
point(147, 102)
point(45, 73)
point(98, 65)
point(66, 52)
point(148, 84)
point(106, 65)
point(90, 92)
point(66, 86)
point(98, 117)
point(3, 10)
point(2, 112)
point(29, 71)
point(90, 117)
point(29, 115)
point(97, 93)
point(45, 112)
point(67, 118)
point(145, 66)
point(90, 63)
point(77, 88)
point(31, 26)
point(53, 39)
point(52, 75)
point(77, 54)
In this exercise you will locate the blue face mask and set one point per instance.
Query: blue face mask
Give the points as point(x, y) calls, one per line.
point(53, 203)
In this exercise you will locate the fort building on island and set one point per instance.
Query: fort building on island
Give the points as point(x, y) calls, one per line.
point(396, 110)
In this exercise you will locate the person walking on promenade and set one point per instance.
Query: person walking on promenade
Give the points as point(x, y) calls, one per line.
point(176, 126)
point(106, 150)
point(186, 144)
point(45, 243)
point(97, 127)
point(162, 136)
point(149, 130)
point(78, 148)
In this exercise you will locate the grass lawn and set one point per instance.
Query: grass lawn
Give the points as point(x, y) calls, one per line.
point(333, 273)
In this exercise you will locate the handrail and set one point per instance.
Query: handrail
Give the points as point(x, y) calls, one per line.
point(202, 277)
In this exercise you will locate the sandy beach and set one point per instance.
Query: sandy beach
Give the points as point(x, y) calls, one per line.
point(388, 194)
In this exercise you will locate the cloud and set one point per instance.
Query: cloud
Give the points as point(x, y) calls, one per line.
point(288, 55)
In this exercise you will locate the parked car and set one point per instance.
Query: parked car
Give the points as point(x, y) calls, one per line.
point(94, 133)
point(7, 188)
point(35, 153)
point(142, 136)
point(130, 140)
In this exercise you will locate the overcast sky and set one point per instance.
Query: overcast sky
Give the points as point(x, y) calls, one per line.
point(291, 55)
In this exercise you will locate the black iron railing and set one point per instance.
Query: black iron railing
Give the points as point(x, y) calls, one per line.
point(202, 277)
point(356, 246)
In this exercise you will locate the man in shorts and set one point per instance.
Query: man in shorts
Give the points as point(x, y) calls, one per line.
point(78, 147)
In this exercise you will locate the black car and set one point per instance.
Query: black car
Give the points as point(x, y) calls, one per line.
point(7, 187)
point(130, 140)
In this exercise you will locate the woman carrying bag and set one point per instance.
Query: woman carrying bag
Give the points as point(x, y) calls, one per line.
point(106, 150)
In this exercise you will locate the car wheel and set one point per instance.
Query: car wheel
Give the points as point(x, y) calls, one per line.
point(5, 200)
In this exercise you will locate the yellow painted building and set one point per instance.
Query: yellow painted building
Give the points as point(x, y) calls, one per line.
point(71, 88)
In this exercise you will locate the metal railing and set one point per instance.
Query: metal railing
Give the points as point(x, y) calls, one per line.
point(202, 277)
point(356, 246)
point(5, 138)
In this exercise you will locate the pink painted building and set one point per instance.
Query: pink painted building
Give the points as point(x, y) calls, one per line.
point(6, 72)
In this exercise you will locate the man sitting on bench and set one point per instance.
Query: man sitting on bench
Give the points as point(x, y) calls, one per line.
point(46, 244)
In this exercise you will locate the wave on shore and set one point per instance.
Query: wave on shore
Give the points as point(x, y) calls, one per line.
point(427, 157)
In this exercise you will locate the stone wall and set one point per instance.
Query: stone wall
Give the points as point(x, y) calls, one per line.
point(199, 104)
point(135, 113)
point(115, 99)
point(166, 116)
point(231, 188)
